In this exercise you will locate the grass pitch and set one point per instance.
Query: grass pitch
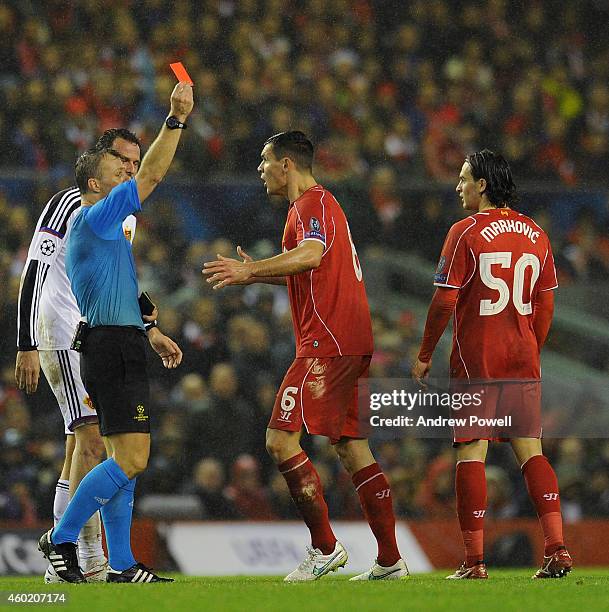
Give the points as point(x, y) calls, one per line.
point(506, 590)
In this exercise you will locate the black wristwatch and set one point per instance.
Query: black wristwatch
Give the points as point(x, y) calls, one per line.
point(173, 123)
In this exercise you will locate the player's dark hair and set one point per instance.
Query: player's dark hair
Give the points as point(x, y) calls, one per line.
point(106, 140)
point(495, 170)
point(87, 166)
point(295, 145)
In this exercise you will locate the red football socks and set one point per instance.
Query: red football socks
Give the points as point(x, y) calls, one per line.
point(470, 486)
point(542, 486)
point(375, 499)
point(307, 493)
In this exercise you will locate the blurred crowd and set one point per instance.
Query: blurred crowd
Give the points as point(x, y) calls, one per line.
point(210, 415)
point(411, 86)
point(391, 92)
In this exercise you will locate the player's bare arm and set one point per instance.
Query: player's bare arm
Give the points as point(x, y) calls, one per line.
point(27, 370)
point(268, 280)
point(438, 316)
point(169, 352)
point(157, 160)
point(225, 271)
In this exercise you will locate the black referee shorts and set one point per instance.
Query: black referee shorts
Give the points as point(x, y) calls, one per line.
point(113, 370)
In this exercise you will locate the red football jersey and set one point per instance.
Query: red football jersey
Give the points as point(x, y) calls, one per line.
point(498, 259)
point(329, 305)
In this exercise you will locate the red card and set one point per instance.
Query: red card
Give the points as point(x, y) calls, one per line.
point(180, 72)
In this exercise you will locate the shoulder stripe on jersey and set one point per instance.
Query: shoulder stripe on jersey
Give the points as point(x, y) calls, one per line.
point(55, 203)
point(456, 245)
point(59, 209)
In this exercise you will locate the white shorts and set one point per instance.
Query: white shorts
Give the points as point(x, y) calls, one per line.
point(62, 371)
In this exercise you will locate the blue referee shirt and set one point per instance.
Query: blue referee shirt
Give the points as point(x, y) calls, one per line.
point(99, 261)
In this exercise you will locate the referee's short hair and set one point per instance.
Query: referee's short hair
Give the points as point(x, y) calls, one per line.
point(87, 166)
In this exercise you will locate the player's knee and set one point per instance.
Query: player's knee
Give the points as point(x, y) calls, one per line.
point(138, 466)
point(276, 445)
point(89, 444)
point(274, 448)
point(132, 465)
point(95, 448)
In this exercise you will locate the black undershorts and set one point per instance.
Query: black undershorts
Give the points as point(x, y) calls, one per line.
point(113, 370)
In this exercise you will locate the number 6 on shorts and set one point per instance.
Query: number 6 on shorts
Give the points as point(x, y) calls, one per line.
point(287, 401)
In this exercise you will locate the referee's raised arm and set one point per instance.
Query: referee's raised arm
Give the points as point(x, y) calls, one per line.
point(157, 160)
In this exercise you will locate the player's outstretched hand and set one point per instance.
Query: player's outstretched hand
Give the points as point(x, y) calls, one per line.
point(226, 271)
point(27, 370)
point(181, 100)
point(165, 348)
point(420, 371)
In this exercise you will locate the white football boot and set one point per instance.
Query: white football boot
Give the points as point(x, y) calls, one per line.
point(51, 577)
point(317, 565)
point(398, 571)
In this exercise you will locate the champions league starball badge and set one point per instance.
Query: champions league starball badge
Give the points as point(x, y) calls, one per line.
point(47, 247)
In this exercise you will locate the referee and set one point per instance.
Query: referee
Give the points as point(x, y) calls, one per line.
point(101, 269)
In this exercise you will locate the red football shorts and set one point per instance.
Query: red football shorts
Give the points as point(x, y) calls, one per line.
point(320, 393)
point(509, 410)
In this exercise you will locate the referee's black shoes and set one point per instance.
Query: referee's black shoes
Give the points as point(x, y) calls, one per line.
point(136, 573)
point(62, 558)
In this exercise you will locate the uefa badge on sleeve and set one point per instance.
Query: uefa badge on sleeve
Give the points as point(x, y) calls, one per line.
point(47, 247)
